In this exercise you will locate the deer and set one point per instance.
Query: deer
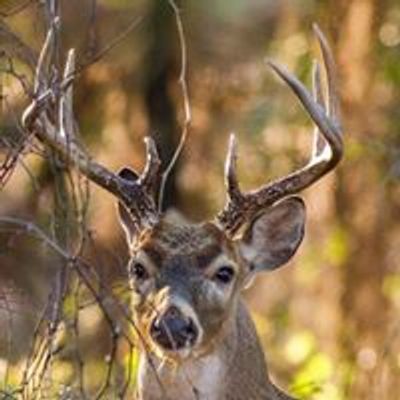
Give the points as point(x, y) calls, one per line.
point(198, 340)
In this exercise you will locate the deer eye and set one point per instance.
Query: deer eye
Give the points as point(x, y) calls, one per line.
point(138, 271)
point(224, 274)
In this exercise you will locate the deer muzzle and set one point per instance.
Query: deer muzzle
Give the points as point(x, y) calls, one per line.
point(173, 330)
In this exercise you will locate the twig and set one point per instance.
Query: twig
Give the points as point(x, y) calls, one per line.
point(10, 70)
point(16, 9)
point(91, 32)
point(86, 274)
point(111, 45)
point(16, 46)
point(186, 103)
point(31, 228)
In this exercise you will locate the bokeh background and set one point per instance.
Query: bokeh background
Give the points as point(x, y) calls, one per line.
point(329, 320)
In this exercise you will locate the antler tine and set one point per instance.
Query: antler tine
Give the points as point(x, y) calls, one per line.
point(66, 111)
point(142, 193)
point(231, 181)
point(327, 152)
point(44, 58)
point(230, 218)
point(319, 142)
point(151, 172)
point(329, 63)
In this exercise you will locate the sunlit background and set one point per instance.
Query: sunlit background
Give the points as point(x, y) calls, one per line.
point(329, 321)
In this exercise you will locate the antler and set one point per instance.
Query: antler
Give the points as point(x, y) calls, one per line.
point(138, 196)
point(327, 149)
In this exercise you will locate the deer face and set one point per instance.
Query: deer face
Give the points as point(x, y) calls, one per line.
point(186, 279)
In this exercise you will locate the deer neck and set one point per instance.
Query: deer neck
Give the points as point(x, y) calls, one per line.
point(236, 365)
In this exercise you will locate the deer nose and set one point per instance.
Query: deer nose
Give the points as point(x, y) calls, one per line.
point(173, 331)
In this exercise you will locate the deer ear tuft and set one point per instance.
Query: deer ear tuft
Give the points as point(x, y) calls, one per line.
point(274, 236)
point(127, 221)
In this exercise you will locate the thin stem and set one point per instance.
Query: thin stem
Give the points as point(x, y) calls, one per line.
point(186, 103)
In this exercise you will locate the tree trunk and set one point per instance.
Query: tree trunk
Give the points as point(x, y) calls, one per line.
point(362, 204)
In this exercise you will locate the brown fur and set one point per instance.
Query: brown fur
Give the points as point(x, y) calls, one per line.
point(228, 362)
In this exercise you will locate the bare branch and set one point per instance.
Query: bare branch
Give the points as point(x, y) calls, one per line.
point(114, 42)
point(15, 9)
point(186, 103)
point(12, 71)
point(16, 47)
point(31, 228)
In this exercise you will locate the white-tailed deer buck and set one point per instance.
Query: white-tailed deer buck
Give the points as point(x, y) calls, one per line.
point(186, 279)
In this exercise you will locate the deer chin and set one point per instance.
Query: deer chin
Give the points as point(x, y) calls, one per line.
point(174, 357)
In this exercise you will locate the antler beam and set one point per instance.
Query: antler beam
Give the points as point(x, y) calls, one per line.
point(58, 133)
point(327, 152)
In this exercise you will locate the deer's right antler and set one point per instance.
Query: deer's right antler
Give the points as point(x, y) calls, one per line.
point(138, 196)
point(328, 148)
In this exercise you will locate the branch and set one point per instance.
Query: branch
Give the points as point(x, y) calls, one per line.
point(16, 47)
point(186, 102)
point(114, 42)
point(33, 229)
point(16, 9)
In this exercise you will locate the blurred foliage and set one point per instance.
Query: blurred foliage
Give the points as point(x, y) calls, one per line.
point(330, 321)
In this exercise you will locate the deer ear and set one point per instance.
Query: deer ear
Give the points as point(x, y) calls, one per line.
point(125, 218)
point(274, 236)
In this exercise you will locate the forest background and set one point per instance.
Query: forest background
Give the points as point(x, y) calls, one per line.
point(329, 321)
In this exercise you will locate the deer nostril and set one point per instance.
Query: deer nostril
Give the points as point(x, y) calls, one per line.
point(174, 331)
point(191, 330)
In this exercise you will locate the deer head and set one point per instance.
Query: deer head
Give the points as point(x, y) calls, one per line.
point(186, 279)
